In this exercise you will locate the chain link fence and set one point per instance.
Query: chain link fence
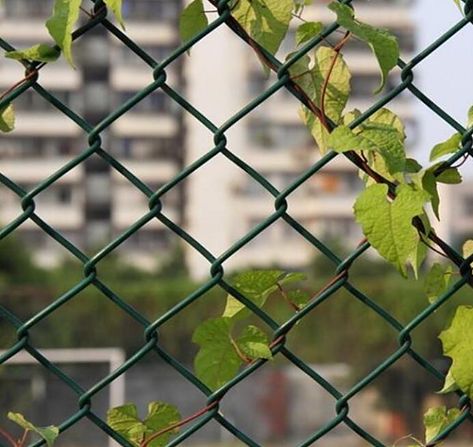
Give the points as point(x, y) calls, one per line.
point(151, 344)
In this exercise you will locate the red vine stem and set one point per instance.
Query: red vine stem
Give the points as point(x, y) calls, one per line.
point(323, 95)
point(8, 438)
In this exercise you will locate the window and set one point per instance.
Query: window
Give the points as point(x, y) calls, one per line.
point(164, 10)
point(279, 136)
point(158, 53)
point(18, 9)
point(26, 148)
point(155, 102)
point(145, 149)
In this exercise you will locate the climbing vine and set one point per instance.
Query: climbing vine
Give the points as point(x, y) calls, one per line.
point(394, 211)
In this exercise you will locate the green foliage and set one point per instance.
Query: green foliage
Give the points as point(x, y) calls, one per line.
point(457, 343)
point(125, 421)
point(437, 419)
point(437, 281)
point(383, 44)
point(193, 20)
point(116, 7)
point(450, 385)
point(312, 79)
point(7, 118)
point(38, 53)
point(61, 25)
point(266, 21)
point(49, 434)
point(449, 146)
point(307, 31)
point(388, 225)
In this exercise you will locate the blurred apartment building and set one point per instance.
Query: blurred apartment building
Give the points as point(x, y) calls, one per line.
point(224, 202)
point(92, 203)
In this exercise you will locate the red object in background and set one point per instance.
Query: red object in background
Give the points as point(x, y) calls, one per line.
point(275, 404)
point(397, 427)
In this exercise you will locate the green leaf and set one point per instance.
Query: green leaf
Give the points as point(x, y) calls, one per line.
point(61, 25)
point(426, 181)
point(126, 422)
point(298, 297)
point(450, 385)
point(49, 434)
point(437, 281)
point(470, 117)
point(450, 176)
point(383, 44)
point(388, 225)
point(266, 21)
point(308, 31)
point(449, 146)
point(116, 7)
point(256, 286)
point(253, 342)
point(193, 20)
point(312, 80)
point(457, 343)
point(217, 361)
point(457, 2)
point(437, 419)
point(39, 53)
point(412, 166)
point(375, 137)
point(467, 249)
point(290, 278)
point(7, 118)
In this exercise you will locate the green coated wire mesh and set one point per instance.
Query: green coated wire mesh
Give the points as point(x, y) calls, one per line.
point(151, 329)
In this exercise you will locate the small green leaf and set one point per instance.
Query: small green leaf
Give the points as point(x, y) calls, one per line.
point(412, 166)
point(217, 361)
point(61, 25)
point(193, 20)
point(437, 281)
point(308, 31)
point(312, 79)
point(298, 297)
point(450, 176)
point(49, 434)
point(470, 117)
point(253, 342)
point(449, 146)
point(450, 385)
point(38, 53)
point(426, 181)
point(256, 286)
point(467, 249)
point(266, 21)
point(457, 2)
point(125, 421)
point(457, 343)
point(116, 7)
point(388, 225)
point(7, 118)
point(437, 419)
point(384, 45)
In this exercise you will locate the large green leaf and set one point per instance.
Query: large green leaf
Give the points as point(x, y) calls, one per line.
point(253, 342)
point(116, 7)
point(388, 225)
point(255, 285)
point(49, 434)
point(457, 343)
point(217, 361)
point(374, 137)
point(61, 25)
point(384, 44)
point(311, 80)
point(437, 419)
point(193, 20)
point(266, 21)
point(7, 118)
point(38, 53)
point(126, 422)
point(437, 281)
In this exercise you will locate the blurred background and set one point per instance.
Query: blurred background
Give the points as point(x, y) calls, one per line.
point(218, 204)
